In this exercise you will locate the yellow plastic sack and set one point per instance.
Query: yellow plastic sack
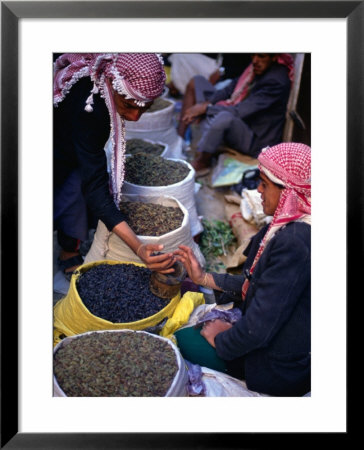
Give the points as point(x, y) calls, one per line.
point(70, 315)
point(188, 303)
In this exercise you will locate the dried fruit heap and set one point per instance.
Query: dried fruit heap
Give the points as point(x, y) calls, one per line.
point(111, 364)
point(150, 219)
point(134, 146)
point(119, 293)
point(150, 170)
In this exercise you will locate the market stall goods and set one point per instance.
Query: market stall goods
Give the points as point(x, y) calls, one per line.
point(119, 293)
point(158, 104)
point(72, 316)
point(151, 219)
point(107, 245)
point(149, 170)
point(118, 364)
point(134, 146)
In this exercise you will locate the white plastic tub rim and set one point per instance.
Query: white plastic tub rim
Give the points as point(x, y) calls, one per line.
point(178, 386)
point(152, 121)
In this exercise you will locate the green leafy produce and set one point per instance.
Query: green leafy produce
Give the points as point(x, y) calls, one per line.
point(216, 238)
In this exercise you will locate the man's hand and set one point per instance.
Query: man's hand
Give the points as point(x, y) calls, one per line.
point(188, 259)
point(194, 112)
point(160, 263)
point(212, 328)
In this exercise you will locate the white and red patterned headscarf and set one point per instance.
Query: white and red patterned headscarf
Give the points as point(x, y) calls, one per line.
point(241, 89)
point(138, 76)
point(288, 164)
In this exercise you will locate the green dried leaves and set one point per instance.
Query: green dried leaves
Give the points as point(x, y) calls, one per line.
point(150, 219)
point(112, 364)
point(158, 104)
point(134, 146)
point(216, 238)
point(149, 170)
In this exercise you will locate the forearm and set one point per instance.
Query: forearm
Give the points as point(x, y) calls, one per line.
point(124, 232)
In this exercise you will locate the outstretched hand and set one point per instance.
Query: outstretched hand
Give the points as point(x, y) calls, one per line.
point(190, 262)
point(162, 262)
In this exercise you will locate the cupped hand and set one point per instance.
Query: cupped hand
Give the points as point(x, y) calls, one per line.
point(212, 328)
point(162, 262)
point(190, 262)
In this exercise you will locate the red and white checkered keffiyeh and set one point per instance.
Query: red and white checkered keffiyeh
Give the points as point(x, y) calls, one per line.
point(138, 76)
point(288, 164)
point(241, 89)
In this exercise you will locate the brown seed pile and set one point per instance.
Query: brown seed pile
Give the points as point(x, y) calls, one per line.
point(158, 104)
point(134, 146)
point(150, 170)
point(150, 219)
point(111, 364)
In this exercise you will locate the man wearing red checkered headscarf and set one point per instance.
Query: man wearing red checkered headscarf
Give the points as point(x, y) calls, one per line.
point(269, 346)
point(93, 95)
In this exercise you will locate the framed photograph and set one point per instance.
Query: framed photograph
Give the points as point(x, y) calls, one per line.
point(332, 32)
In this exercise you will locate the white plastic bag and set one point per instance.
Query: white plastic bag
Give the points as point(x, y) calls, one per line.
point(218, 384)
point(185, 66)
point(252, 209)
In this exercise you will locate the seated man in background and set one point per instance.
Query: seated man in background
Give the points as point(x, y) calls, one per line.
point(247, 115)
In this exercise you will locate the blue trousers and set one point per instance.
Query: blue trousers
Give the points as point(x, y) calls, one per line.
point(69, 209)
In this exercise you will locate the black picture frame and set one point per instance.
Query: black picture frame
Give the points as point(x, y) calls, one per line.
point(11, 12)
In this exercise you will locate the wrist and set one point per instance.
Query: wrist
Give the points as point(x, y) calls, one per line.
point(203, 281)
point(139, 250)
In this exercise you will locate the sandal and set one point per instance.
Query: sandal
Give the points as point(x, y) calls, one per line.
point(70, 262)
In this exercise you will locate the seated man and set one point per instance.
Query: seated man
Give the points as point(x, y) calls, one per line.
point(247, 115)
point(269, 346)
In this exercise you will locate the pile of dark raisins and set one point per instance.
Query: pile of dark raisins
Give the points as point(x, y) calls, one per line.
point(119, 293)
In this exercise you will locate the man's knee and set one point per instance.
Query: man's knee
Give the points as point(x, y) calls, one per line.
point(191, 85)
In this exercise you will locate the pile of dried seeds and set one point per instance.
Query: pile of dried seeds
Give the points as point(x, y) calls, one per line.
point(111, 364)
point(134, 146)
point(119, 293)
point(158, 104)
point(151, 170)
point(151, 219)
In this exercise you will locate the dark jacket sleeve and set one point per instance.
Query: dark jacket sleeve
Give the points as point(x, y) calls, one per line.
point(274, 293)
point(263, 96)
point(90, 132)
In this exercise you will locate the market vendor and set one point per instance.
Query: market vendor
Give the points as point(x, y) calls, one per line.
point(269, 346)
point(93, 96)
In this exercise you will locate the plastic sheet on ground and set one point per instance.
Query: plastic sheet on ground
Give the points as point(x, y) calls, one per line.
point(218, 384)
